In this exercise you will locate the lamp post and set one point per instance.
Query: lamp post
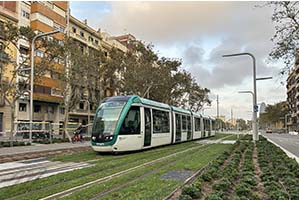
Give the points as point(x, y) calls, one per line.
point(254, 123)
point(31, 78)
point(88, 114)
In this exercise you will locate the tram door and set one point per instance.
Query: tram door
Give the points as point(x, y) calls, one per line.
point(148, 127)
point(178, 127)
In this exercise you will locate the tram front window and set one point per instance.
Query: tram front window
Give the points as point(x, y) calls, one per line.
point(106, 119)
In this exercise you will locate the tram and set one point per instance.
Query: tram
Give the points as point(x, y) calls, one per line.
point(130, 123)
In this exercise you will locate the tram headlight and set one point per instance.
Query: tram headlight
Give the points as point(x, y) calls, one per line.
point(93, 138)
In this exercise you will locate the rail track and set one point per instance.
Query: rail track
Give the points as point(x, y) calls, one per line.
point(124, 160)
point(32, 155)
point(118, 174)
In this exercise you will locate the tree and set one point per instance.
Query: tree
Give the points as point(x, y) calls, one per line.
point(160, 79)
point(241, 123)
point(82, 78)
point(286, 38)
point(273, 114)
point(12, 90)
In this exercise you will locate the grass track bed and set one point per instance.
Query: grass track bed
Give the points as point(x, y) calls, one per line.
point(43, 187)
point(155, 187)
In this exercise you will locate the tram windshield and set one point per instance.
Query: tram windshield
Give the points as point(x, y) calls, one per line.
point(106, 118)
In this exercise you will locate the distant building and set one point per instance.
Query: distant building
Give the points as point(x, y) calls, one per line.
point(293, 97)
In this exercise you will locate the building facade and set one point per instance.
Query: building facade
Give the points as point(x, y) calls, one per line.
point(89, 39)
point(8, 13)
point(293, 98)
point(41, 17)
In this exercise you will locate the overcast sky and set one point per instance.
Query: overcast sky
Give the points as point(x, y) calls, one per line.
point(199, 33)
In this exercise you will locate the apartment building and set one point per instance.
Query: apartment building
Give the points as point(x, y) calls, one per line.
point(293, 98)
point(8, 13)
point(46, 16)
point(89, 39)
point(42, 16)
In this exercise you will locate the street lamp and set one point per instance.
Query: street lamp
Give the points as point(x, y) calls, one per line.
point(31, 78)
point(254, 123)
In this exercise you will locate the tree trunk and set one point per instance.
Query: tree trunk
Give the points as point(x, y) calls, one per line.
point(66, 120)
point(12, 120)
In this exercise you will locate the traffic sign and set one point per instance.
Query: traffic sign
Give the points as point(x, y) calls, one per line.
point(255, 108)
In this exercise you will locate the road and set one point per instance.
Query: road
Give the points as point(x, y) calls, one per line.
point(288, 142)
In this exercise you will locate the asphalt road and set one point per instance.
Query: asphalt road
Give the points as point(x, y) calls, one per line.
point(289, 142)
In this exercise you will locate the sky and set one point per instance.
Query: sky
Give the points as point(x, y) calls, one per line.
point(199, 33)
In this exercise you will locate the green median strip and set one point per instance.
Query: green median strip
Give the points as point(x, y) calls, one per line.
point(153, 184)
point(104, 165)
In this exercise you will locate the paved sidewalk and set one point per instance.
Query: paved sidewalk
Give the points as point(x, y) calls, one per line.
point(41, 147)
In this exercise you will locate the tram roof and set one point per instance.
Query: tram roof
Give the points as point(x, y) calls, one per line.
point(148, 102)
point(181, 110)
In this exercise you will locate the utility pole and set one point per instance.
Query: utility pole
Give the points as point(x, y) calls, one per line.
point(218, 124)
point(217, 106)
point(231, 116)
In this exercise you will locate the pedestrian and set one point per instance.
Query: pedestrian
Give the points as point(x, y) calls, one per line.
point(78, 133)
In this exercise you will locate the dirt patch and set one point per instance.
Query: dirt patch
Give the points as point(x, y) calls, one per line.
point(258, 172)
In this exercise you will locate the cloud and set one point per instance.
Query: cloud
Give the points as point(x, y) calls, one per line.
point(181, 29)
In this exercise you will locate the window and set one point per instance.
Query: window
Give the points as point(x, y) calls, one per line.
point(50, 109)
point(22, 107)
point(197, 124)
point(188, 123)
point(106, 54)
point(90, 39)
point(74, 29)
point(39, 53)
point(131, 124)
point(160, 121)
point(24, 50)
point(25, 14)
point(81, 105)
point(42, 89)
point(96, 41)
point(184, 123)
point(61, 110)
point(37, 108)
point(81, 34)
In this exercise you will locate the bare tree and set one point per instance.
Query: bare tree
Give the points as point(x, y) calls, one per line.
point(286, 38)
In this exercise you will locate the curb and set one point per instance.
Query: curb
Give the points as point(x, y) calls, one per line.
point(289, 154)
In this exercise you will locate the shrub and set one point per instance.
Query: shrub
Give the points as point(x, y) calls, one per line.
point(243, 189)
point(215, 196)
point(185, 197)
point(222, 185)
point(192, 191)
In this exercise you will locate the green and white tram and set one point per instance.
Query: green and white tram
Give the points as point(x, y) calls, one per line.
point(129, 123)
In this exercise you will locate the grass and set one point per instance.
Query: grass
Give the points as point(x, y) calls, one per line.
point(153, 186)
point(103, 165)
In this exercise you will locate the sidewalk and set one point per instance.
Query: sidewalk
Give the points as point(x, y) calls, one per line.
point(41, 147)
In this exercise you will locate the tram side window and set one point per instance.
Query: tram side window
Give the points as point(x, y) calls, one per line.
point(131, 124)
point(189, 123)
point(184, 123)
point(161, 121)
point(197, 124)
